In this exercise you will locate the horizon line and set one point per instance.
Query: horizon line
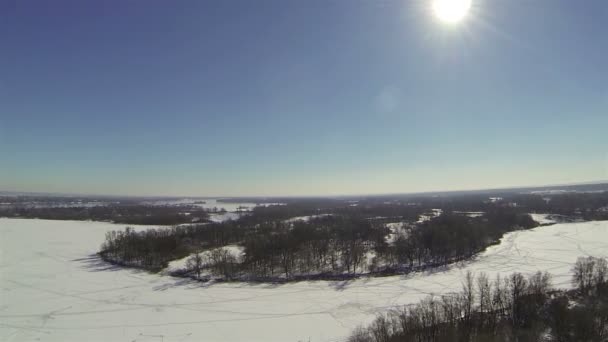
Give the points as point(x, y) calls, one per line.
point(72, 194)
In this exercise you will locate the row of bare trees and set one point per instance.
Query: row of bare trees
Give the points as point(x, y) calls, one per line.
point(514, 308)
point(220, 262)
point(129, 213)
point(452, 237)
point(590, 275)
point(149, 249)
point(334, 245)
point(272, 249)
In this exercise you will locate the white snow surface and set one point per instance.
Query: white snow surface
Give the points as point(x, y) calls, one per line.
point(52, 288)
point(224, 216)
point(306, 218)
point(181, 264)
point(397, 229)
point(543, 218)
point(470, 213)
point(429, 216)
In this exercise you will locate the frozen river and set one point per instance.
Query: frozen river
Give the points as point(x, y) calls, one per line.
point(52, 288)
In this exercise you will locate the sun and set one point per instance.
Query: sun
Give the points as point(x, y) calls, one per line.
point(451, 11)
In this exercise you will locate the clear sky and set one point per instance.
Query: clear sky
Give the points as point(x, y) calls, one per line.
point(300, 97)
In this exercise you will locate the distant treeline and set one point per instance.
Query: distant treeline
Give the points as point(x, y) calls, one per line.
point(515, 308)
point(584, 206)
point(128, 214)
point(340, 244)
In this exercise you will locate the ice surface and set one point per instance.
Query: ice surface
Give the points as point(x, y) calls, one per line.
point(543, 218)
point(52, 288)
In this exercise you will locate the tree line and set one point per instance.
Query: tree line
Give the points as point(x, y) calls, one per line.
point(328, 246)
point(514, 308)
point(586, 206)
point(135, 214)
point(452, 237)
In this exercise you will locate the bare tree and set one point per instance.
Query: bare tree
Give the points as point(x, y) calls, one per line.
point(468, 295)
point(601, 271)
point(484, 292)
point(222, 262)
point(582, 273)
point(590, 273)
point(517, 289)
point(381, 329)
point(539, 285)
point(360, 335)
point(499, 300)
point(195, 264)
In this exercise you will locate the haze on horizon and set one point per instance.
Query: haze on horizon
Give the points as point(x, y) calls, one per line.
point(280, 98)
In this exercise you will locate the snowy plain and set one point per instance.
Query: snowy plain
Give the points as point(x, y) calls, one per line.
point(53, 288)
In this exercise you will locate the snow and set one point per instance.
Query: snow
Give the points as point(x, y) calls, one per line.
point(180, 264)
point(543, 218)
point(470, 213)
point(429, 216)
point(397, 229)
point(53, 289)
point(224, 217)
point(305, 218)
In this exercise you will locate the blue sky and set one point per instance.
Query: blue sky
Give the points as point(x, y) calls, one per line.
point(300, 97)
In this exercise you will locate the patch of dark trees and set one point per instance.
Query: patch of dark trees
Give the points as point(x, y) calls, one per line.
point(451, 237)
point(135, 214)
point(515, 308)
point(328, 247)
point(152, 249)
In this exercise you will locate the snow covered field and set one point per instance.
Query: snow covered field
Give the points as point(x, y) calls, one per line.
point(53, 289)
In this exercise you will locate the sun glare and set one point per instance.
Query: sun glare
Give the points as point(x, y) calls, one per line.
point(451, 11)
